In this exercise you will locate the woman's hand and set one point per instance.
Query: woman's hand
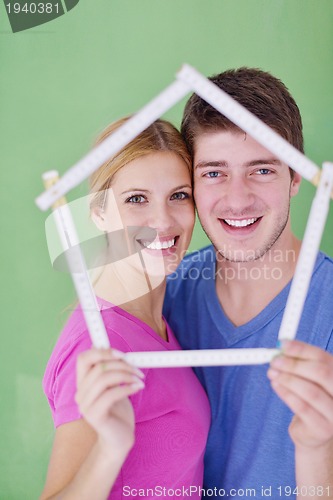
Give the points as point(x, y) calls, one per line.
point(104, 382)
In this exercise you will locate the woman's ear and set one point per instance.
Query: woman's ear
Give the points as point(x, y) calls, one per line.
point(98, 216)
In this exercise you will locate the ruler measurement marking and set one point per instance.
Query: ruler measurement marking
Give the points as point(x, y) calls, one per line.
point(69, 239)
point(308, 254)
point(202, 357)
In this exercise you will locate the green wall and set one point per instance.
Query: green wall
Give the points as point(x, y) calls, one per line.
point(60, 84)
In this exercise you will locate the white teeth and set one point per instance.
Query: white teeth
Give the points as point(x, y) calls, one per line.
point(159, 245)
point(240, 223)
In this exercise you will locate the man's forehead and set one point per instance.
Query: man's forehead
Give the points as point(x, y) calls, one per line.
point(215, 134)
point(216, 146)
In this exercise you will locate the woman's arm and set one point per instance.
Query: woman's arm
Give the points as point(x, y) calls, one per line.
point(88, 454)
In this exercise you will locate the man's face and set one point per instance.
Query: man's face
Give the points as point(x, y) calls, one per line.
point(242, 193)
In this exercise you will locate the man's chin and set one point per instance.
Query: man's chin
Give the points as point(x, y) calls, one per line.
point(241, 255)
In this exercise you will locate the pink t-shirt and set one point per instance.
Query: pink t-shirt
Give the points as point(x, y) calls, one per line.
point(172, 412)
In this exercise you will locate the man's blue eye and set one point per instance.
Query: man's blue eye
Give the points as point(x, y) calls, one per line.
point(264, 171)
point(212, 174)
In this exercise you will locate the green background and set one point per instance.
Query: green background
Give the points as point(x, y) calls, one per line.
point(61, 83)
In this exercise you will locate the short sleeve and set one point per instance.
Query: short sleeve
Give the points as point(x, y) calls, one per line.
point(59, 381)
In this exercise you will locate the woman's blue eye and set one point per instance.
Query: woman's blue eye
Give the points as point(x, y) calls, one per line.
point(180, 196)
point(137, 198)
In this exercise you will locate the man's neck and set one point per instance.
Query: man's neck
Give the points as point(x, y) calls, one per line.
point(244, 289)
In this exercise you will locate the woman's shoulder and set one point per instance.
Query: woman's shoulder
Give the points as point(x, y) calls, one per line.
point(121, 327)
point(75, 336)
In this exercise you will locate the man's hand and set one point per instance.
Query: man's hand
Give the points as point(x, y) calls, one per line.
point(303, 378)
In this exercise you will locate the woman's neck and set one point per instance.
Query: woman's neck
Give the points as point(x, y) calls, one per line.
point(135, 292)
point(148, 309)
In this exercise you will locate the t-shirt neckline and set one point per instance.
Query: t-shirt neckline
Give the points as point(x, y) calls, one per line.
point(233, 334)
point(104, 304)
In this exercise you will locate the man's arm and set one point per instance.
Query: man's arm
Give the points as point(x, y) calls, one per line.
point(303, 378)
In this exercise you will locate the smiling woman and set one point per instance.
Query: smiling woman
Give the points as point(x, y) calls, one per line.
point(153, 194)
point(144, 194)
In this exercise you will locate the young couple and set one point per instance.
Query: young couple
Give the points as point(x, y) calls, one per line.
point(122, 432)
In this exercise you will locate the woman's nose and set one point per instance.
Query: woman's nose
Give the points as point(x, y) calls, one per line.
point(161, 217)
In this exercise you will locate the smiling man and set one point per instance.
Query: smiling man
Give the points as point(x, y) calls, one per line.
point(233, 294)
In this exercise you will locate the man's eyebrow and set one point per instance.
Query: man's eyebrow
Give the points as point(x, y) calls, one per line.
point(263, 161)
point(205, 164)
point(252, 163)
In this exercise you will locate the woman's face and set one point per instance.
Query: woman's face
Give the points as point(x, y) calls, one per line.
point(154, 202)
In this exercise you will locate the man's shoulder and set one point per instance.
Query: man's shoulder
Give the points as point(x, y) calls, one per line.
point(324, 268)
point(197, 267)
point(199, 258)
point(327, 260)
point(321, 286)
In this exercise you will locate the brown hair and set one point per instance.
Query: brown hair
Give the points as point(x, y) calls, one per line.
point(258, 91)
point(159, 136)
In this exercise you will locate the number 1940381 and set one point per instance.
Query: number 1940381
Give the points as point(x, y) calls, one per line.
point(33, 8)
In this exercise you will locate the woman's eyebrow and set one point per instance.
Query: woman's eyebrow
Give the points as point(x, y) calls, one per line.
point(182, 187)
point(130, 190)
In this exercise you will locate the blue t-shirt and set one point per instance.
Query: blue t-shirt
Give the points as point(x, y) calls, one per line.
point(248, 446)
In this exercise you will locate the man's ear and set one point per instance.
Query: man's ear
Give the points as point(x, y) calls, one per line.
point(98, 216)
point(295, 183)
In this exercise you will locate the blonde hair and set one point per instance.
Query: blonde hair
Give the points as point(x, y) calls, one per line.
point(159, 136)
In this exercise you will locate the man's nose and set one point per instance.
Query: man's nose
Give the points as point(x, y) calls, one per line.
point(238, 193)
